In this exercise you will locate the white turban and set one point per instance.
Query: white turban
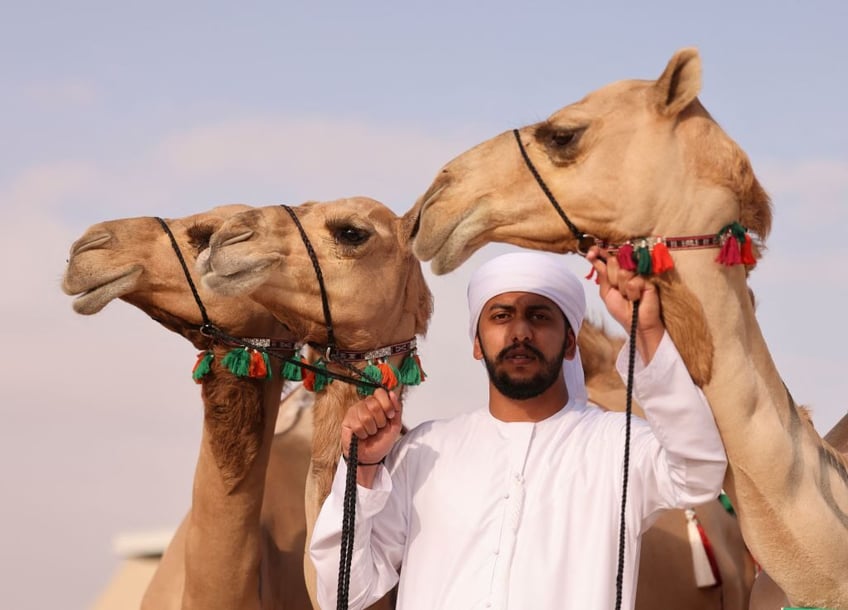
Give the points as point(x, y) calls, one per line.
point(540, 273)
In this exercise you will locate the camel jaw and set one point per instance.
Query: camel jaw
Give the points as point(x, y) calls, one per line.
point(94, 293)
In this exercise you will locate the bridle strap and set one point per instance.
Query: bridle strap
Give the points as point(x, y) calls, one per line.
point(578, 234)
point(178, 252)
point(328, 320)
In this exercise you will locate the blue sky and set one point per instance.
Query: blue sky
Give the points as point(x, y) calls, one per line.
point(114, 109)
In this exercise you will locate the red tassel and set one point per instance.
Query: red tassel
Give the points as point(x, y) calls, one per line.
point(661, 259)
point(748, 252)
point(708, 547)
point(389, 378)
point(625, 258)
point(418, 362)
point(309, 379)
point(729, 254)
point(257, 368)
point(591, 274)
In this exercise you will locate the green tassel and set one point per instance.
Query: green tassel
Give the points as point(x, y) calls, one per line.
point(736, 229)
point(203, 366)
point(321, 380)
point(371, 373)
point(725, 502)
point(643, 260)
point(409, 373)
point(238, 362)
point(268, 373)
point(292, 371)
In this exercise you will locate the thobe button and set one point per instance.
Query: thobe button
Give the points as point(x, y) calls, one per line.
point(496, 552)
point(506, 496)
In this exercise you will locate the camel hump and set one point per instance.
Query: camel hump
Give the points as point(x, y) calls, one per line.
point(680, 82)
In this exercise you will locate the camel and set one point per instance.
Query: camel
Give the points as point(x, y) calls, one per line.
point(245, 531)
point(362, 245)
point(631, 161)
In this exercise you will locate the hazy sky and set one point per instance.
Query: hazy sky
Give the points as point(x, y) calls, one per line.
point(120, 109)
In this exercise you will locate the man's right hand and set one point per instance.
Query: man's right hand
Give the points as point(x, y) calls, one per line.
point(376, 422)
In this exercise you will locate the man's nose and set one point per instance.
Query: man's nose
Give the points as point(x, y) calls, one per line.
point(521, 330)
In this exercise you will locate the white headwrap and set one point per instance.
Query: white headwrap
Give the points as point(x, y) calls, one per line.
point(539, 273)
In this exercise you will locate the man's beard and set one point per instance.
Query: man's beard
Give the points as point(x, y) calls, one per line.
point(525, 388)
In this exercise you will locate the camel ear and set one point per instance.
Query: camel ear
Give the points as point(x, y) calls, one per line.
point(680, 83)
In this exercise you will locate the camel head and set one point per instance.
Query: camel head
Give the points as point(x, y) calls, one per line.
point(632, 159)
point(375, 288)
point(132, 259)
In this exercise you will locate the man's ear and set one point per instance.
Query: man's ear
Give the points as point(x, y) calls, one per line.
point(570, 344)
point(478, 351)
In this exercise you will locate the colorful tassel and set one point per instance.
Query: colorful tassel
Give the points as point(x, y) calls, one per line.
point(703, 558)
point(661, 258)
point(388, 375)
point(643, 260)
point(625, 258)
point(292, 371)
point(371, 373)
point(410, 372)
point(729, 254)
point(726, 503)
point(309, 379)
point(321, 380)
point(202, 366)
point(238, 362)
point(748, 252)
point(260, 366)
point(420, 368)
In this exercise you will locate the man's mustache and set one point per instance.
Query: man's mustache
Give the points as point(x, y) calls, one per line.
point(524, 345)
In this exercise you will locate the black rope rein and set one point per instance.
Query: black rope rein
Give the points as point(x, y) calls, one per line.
point(583, 242)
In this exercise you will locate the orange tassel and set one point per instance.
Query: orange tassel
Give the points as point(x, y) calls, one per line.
point(309, 379)
point(748, 252)
point(661, 259)
point(389, 377)
point(257, 369)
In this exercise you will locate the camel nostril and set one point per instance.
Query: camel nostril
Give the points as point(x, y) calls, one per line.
point(89, 242)
point(234, 239)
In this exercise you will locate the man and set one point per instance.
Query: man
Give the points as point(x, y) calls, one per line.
point(517, 505)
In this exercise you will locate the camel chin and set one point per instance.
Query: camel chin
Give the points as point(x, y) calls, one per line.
point(91, 299)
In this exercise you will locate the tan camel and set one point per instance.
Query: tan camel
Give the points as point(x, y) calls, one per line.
point(765, 594)
point(641, 159)
point(362, 246)
point(240, 531)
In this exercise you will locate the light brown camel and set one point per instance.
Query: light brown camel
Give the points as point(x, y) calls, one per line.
point(765, 594)
point(245, 531)
point(362, 246)
point(641, 158)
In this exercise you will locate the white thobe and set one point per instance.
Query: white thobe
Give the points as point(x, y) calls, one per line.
point(481, 513)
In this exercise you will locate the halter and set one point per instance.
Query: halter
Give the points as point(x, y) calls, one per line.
point(208, 329)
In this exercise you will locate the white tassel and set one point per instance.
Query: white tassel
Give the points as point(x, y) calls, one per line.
point(704, 576)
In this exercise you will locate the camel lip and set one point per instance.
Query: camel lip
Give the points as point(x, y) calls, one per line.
point(235, 280)
point(92, 299)
point(90, 242)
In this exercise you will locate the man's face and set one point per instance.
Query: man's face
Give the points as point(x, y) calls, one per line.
point(523, 339)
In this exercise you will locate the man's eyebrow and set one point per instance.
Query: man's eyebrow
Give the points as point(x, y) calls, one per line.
point(501, 306)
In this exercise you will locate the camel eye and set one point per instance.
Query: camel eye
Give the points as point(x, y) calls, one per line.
point(561, 139)
point(199, 235)
point(351, 236)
